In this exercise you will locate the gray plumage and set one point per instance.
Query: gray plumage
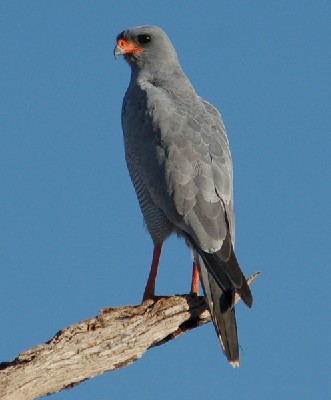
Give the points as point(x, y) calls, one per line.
point(179, 160)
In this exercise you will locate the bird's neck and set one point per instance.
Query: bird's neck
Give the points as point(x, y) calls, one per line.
point(172, 79)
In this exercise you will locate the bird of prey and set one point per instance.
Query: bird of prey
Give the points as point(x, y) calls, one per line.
point(178, 157)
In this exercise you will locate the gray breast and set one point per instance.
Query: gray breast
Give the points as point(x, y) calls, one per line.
point(140, 147)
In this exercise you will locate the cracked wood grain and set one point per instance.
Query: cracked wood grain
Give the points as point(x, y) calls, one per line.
point(114, 339)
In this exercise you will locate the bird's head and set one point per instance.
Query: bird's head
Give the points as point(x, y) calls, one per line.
point(145, 45)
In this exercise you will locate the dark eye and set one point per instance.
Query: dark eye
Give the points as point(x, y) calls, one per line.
point(143, 39)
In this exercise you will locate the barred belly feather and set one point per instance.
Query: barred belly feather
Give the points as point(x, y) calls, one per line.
point(158, 225)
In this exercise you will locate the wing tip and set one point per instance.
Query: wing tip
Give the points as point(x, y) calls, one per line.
point(245, 294)
point(248, 300)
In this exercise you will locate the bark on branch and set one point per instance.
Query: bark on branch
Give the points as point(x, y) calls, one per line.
point(114, 339)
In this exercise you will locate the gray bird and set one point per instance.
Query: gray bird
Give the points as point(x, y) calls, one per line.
point(179, 160)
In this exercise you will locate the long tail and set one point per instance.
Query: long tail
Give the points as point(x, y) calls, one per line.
point(221, 279)
point(224, 320)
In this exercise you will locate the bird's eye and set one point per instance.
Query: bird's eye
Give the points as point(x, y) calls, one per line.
point(143, 39)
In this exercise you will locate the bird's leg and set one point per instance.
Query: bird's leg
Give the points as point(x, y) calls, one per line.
point(150, 286)
point(195, 280)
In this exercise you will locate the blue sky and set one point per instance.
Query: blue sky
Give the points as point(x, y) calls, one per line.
point(71, 233)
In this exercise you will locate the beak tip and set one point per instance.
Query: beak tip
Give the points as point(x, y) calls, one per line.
point(117, 51)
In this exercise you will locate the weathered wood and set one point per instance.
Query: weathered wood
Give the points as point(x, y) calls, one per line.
point(114, 339)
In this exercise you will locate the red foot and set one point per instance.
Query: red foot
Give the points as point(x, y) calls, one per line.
point(150, 286)
point(195, 280)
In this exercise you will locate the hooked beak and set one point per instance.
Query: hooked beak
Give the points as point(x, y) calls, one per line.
point(125, 46)
point(117, 51)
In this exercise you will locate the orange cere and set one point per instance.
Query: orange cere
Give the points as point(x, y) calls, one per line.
point(128, 46)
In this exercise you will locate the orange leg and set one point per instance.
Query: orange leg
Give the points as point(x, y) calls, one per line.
point(195, 280)
point(150, 286)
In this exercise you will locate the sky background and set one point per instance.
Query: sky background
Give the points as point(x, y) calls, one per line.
point(72, 240)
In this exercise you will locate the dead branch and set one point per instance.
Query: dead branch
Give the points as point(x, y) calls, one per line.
point(114, 339)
